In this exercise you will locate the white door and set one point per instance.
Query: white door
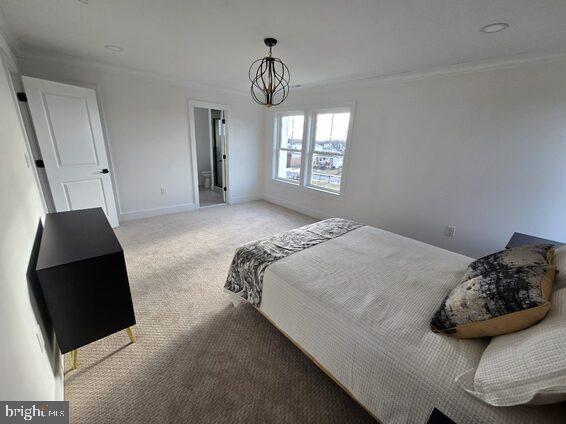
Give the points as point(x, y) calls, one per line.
point(223, 156)
point(69, 133)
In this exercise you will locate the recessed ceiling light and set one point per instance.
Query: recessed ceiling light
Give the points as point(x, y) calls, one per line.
point(114, 48)
point(496, 27)
point(83, 1)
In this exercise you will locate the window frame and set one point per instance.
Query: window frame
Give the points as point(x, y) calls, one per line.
point(311, 151)
point(278, 148)
point(310, 114)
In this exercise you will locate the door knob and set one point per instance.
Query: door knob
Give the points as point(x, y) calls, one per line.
point(104, 171)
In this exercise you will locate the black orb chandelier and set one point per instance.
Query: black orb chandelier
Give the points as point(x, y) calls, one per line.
point(270, 78)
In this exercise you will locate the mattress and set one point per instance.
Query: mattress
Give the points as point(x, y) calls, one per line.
point(361, 304)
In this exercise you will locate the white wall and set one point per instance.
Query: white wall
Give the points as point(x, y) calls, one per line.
point(484, 151)
point(148, 138)
point(29, 368)
point(203, 129)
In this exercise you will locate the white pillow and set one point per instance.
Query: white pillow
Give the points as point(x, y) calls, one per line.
point(560, 263)
point(525, 367)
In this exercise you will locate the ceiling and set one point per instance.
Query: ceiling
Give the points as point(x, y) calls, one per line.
point(213, 42)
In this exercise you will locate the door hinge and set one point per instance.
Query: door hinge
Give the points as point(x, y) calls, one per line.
point(39, 163)
point(224, 121)
point(223, 156)
point(225, 189)
point(22, 97)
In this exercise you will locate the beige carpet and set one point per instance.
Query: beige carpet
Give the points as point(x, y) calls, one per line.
point(198, 359)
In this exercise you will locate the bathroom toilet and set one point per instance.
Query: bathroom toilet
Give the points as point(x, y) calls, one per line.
point(207, 176)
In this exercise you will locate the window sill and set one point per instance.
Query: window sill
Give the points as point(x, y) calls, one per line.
point(289, 182)
point(312, 189)
point(322, 190)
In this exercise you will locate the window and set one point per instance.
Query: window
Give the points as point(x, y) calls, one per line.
point(326, 160)
point(290, 148)
point(322, 158)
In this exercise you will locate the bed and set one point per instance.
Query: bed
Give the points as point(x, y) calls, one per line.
point(359, 304)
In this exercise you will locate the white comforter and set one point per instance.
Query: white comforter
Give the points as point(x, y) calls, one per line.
point(361, 305)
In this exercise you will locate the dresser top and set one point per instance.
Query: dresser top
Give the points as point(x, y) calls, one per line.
point(75, 236)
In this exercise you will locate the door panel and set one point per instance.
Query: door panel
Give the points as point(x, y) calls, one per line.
point(69, 134)
point(85, 194)
point(218, 155)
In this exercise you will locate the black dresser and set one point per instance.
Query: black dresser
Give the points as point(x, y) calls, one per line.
point(82, 274)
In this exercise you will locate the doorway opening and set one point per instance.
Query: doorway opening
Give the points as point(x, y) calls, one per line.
point(210, 151)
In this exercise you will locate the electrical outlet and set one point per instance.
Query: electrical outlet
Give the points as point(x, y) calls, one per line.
point(449, 231)
point(163, 191)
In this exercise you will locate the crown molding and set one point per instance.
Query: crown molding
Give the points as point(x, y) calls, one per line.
point(123, 70)
point(344, 83)
point(457, 69)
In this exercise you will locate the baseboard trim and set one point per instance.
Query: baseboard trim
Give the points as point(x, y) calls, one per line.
point(59, 390)
point(187, 207)
point(147, 213)
point(234, 200)
point(296, 207)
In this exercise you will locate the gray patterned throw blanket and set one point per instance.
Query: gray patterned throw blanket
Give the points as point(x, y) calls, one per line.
point(245, 277)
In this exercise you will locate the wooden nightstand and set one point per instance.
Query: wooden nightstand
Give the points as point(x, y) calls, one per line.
point(82, 274)
point(520, 239)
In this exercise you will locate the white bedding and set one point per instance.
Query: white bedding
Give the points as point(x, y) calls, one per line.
point(361, 305)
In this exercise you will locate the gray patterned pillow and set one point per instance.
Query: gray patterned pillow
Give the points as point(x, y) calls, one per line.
point(532, 254)
point(501, 301)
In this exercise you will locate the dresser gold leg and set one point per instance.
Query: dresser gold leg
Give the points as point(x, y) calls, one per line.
point(74, 359)
point(131, 334)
